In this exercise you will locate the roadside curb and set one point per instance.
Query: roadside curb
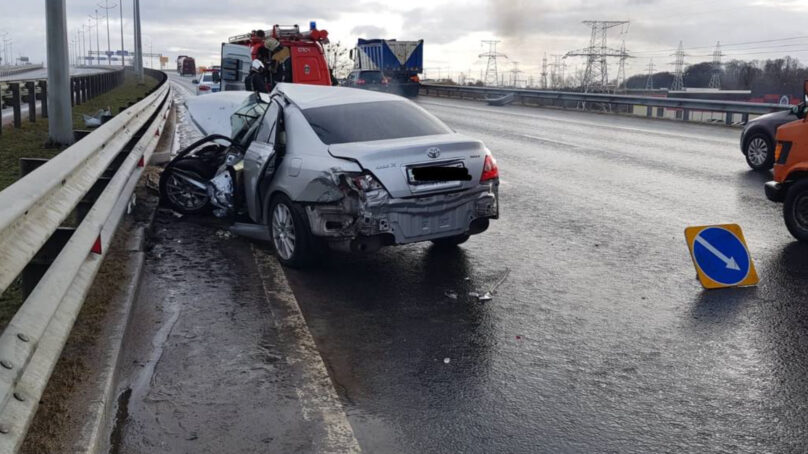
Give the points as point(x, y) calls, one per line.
point(316, 392)
point(91, 438)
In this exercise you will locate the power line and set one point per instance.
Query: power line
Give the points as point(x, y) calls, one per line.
point(724, 45)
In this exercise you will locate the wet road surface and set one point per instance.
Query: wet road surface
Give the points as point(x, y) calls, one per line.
point(600, 339)
point(215, 360)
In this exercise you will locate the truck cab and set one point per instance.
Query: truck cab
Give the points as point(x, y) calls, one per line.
point(790, 184)
point(308, 62)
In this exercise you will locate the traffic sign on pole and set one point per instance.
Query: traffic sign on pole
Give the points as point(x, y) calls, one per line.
point(721, 256)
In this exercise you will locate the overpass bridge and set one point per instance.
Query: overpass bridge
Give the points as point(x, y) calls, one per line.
point(598, 337)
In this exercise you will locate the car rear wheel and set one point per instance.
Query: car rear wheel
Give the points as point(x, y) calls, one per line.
point(451, 241)
point(759, 152)
point(795, 210)
point(294, 244)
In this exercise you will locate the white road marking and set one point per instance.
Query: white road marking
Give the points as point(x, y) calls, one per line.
point(315, 391)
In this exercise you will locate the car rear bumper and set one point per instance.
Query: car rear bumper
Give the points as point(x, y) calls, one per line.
point(410, 220)
point(776, 192)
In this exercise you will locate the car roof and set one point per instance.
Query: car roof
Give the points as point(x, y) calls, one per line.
point(309, 96)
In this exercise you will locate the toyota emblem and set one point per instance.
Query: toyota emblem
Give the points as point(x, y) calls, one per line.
point(433, 152)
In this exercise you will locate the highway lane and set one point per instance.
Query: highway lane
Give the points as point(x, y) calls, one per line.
point(42, 73)
point(599, 339)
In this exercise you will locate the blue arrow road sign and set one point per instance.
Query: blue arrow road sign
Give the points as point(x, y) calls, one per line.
point(721, 255)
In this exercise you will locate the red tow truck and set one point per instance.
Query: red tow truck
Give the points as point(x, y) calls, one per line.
point(308, 62)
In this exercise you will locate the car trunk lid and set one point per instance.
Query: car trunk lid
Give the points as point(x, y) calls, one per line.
point(393, 162)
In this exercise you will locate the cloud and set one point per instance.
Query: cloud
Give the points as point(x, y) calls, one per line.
point(368, 31)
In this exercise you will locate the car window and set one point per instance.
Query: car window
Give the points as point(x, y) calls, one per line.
point(245, 121)
point(371, 76)
point(368, 121)
point(268, 124)
point(207, 78)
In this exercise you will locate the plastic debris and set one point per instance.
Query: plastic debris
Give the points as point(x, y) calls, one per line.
point(485, 297)
point(94, 121)
point(451, 294)
point(446, 360)
point(224, 234)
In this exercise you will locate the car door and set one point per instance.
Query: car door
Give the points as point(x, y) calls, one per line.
point(258, 155)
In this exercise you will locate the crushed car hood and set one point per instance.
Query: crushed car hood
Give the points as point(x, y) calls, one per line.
point(211, 113)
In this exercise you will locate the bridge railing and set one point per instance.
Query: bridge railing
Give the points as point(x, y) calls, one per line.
point(730, 112)
point(98, 172)
point(11, 70)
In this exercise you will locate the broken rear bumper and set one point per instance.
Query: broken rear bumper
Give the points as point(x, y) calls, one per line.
point(407, 220)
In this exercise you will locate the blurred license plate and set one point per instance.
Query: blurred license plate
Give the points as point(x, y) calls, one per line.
point(450, 173)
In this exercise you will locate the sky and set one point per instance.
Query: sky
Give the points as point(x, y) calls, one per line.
point(452, 30)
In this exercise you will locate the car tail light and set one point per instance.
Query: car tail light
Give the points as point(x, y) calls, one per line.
point(490, 169)
point(360, 81)
point(204, 88)
point(367, 182)
point(415, 79)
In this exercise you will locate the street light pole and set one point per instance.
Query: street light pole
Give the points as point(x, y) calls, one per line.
point(97, 40)
point(60, 113)
point(109, 46)
point(138, 43)
point(123, 49)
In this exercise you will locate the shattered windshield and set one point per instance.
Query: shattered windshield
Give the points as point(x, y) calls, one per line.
point(245, 121)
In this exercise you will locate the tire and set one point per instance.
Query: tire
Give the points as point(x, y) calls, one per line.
point(795, 210)
point(179, 195)
point(759, 151)
point(451, 241)
point(294, 244)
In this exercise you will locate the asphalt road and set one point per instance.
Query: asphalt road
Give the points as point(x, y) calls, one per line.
point(42, 73)
point(599, 339)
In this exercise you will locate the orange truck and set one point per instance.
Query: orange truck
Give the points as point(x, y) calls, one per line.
point(790, 185)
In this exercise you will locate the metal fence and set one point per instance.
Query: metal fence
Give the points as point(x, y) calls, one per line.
point(731, 112)
point(99, 172)
point(19, 93)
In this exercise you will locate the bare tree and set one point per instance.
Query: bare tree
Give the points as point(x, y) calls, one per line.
point(338, 59)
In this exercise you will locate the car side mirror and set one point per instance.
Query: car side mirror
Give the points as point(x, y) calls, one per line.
point(195, 81)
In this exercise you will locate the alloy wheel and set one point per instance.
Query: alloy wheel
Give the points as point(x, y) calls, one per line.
point(758, 151)
point(283, 231)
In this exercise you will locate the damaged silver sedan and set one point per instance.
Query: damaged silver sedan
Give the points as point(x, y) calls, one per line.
point(311, 166)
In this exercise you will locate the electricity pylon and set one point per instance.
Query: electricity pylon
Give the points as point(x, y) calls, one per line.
point(715, 79)
point(596, 74)
point(679, 69)
point(544, 71)
point(491, 76)
point(649, 82)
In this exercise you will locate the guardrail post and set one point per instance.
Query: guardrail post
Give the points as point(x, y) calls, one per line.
point(43, 90)
point(649, 111)
point(31, 88)
point(685, 114)
point(745, 118)
point(728, 118)
point(15, 104)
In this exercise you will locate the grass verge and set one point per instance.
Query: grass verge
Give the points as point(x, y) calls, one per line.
point(29, 142)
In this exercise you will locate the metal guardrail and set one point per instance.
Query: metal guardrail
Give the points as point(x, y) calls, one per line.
point(18, 93)
point(573, 99)
point(11, 70)
point(31, 211)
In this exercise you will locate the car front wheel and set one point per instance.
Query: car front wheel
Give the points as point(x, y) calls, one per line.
point(290, 233)
point(795, 210)
point(759, 152)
